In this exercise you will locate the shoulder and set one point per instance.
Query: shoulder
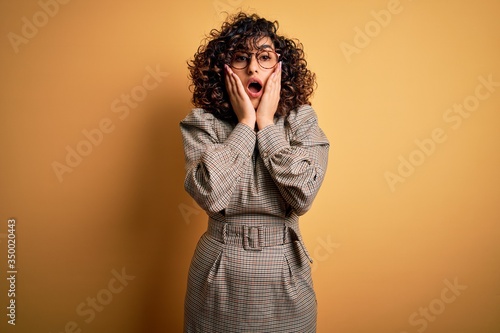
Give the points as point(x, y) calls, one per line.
point(303, 123)
point(301, 115)
point(201, 119)
point(198, 116)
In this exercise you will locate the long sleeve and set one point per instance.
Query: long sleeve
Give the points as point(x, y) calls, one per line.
point(297, 163)
point(215, 160)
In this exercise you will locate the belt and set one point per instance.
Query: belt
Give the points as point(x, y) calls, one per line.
point(251, 237)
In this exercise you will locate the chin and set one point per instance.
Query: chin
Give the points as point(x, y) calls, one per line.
point(255, 104)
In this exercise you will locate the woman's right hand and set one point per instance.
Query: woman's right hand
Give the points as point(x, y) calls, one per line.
point(239, 99)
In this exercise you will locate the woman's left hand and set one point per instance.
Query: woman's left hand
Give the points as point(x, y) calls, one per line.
point(270, 99)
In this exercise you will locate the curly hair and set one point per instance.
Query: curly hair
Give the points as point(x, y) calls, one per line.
point(206, 69)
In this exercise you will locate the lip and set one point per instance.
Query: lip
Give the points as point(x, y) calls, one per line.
point(254, 94)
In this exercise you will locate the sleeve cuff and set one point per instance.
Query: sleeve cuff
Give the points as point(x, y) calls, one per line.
point(271, 140)
point(242, 139)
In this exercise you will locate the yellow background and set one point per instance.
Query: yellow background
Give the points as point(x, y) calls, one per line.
point(383, 252)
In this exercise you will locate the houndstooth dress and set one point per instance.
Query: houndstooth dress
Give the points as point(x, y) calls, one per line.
point(251, 271)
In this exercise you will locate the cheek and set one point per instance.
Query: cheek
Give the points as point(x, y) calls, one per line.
point(264, 82)
point(265, 79)
point(241, 77)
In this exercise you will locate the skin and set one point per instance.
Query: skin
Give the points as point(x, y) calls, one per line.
point(255, 112)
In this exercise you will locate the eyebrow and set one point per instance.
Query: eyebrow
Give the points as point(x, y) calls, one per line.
point(261, 47)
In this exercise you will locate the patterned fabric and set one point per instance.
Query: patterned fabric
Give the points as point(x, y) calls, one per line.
point(250, 271)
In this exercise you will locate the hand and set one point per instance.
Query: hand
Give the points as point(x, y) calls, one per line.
point(270, 99)
point(239, 99)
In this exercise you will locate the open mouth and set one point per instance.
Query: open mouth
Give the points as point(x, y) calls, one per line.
point(254, 88)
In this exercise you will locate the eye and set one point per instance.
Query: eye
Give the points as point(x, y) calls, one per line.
point(240, 57)
point(266, 56)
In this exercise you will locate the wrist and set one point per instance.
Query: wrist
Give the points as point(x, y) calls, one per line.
point(264, 122)
point(249, 122)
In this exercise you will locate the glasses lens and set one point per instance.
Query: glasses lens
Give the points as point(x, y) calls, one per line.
point(240, 60)
point(267, 59)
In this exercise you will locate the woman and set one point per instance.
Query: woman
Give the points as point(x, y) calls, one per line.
point(255, 160)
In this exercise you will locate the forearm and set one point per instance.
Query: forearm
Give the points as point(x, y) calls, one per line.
point(297, 170)
point(212, 177)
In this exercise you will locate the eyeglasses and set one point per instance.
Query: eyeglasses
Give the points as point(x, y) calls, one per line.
point(266, 58)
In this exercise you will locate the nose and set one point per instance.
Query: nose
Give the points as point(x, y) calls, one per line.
point(253, 66)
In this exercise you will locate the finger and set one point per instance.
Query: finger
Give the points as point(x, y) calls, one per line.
point(234, 79)
point(239, 86)
point(233, 83)
point(277, 79)
point(230, 76)
point(277, 73)
point(273, 84)
point(228, 79)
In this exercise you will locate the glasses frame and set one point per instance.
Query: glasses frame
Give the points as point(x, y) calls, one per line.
point(249, 59)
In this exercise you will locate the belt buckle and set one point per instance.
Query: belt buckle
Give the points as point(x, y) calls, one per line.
point(253, 237)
